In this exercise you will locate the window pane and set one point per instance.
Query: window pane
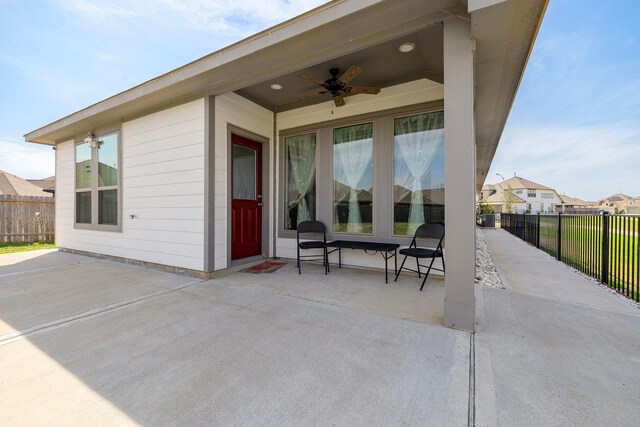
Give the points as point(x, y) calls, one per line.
point(108, 160)
point(83, 207)
point(108, 207)
point(244, 173)
point(353, 179)
point(418, 164)
point(300, 179)
point(83, 166)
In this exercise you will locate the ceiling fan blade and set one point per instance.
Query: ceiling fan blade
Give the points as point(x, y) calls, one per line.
point(338, 100)
point(311, 79)
point(353, 72)
point(364, 89)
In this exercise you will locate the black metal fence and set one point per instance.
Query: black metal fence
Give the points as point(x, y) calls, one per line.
point(606, 247)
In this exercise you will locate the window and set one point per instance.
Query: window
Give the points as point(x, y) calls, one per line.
point(244, 172)
point(97, 183)
point(300, 179)
point(546, 195)
point(378, 174)
point(518, 191)
point(531, 193)
point(541, 207)
point(528, 210)
point(353, 179)
point(418, 159)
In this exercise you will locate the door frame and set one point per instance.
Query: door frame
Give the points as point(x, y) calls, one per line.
point(266, 200)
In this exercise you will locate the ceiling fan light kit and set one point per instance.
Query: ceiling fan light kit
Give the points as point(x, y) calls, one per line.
point(276, 86)
point(338, 86)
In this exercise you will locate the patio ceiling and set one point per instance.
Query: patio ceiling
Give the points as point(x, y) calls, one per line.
point(383, 65)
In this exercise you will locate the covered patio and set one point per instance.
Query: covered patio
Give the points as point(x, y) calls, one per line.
point(370, 116)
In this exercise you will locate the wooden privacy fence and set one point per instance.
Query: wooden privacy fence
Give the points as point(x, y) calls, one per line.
point(26, 218)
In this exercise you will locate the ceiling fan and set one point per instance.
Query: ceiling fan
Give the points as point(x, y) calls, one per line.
point(339, 87)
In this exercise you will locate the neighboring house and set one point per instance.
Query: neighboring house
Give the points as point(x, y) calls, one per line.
point(519, 195)
point(614, 204)
point(218, 160)
point(573, 205)
point(632, 207)
point(16, 186)
point(501, 198)
point(48, 184)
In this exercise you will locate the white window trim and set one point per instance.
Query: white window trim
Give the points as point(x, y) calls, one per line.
point(94, 184)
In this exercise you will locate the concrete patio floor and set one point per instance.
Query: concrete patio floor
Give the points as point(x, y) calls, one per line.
point(554, 348)
point(93, 342)
point(357, 288)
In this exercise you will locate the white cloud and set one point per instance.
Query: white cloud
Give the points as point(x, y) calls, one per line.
point(242, 18)
point(587, 161)
point(29, 161)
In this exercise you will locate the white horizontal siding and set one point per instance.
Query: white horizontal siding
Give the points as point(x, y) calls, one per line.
point(232, 109)
point(162, 187)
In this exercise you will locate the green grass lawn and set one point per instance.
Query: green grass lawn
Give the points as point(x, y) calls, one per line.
point(9, 248)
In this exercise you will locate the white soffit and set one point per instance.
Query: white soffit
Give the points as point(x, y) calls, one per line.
point(505, 32)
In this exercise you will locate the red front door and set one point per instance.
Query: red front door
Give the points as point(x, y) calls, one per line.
point(246, 198)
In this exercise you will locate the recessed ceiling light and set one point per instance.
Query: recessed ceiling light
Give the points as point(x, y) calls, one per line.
point(276, 86)
point(407, 47)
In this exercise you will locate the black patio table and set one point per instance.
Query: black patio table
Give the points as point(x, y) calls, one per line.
point(387, 250)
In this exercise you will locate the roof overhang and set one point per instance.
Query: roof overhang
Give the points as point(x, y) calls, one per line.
point(504, 31)
point(335, 29)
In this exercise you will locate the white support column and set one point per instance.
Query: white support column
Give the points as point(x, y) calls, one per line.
point(460, 173)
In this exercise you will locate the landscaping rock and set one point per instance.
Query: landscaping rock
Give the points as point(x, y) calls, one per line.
point(486, 273)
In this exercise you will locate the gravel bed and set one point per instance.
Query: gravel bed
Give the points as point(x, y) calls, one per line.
point(486, 273)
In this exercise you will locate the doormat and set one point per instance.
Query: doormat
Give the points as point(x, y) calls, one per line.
point(265, 267)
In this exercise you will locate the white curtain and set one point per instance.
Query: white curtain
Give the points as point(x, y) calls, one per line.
point(352, 154)
point(244, 173)
point(301, 152)
point(418, 139)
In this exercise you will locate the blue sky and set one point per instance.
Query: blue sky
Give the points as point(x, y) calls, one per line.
point(575, 124)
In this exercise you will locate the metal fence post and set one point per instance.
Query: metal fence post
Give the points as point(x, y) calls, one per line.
point(605, 248)
point(559, 236)
point(538, 232)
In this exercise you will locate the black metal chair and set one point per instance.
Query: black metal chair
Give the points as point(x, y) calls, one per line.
point(315, 227)
point(425, 231)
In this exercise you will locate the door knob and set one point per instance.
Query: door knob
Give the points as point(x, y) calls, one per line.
point(259, 204)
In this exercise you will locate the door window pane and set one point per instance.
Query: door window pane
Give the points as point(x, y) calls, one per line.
point(353, 179)
point(244, 173)
point(418, 171)
point(83, 165)
point(108, 161)
point(108, 207)
point(83, 207)
point(300, 179)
